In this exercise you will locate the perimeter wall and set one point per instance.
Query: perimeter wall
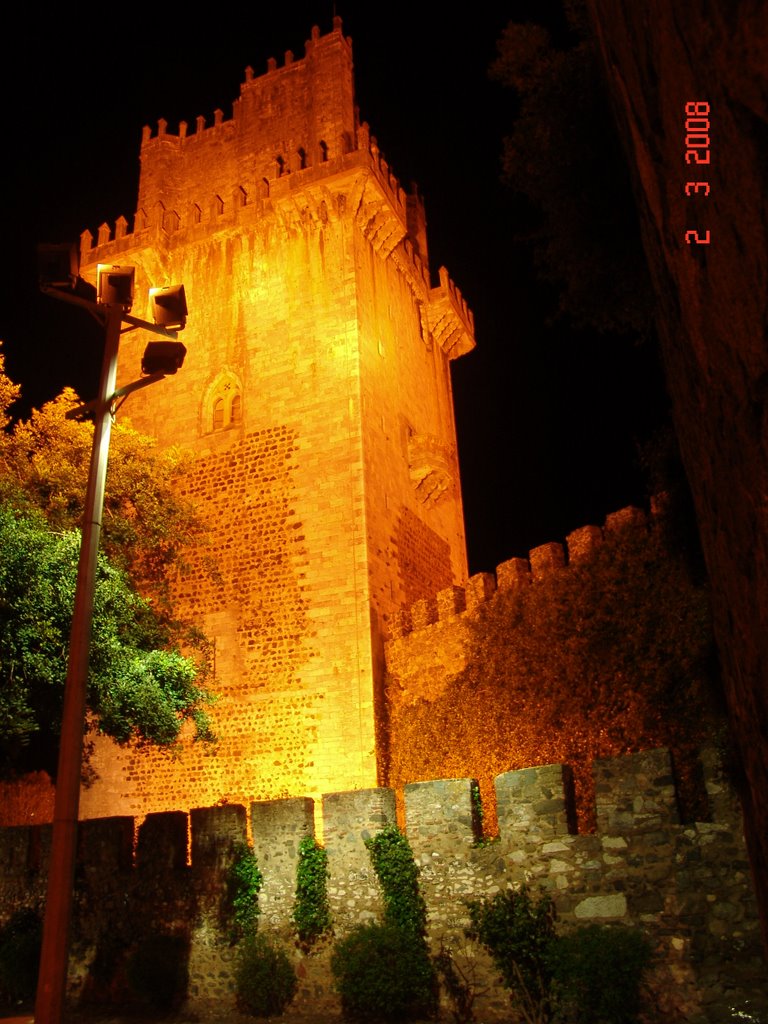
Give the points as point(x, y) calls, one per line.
point(688, 885)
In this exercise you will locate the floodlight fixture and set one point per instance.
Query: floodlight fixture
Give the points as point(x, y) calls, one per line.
point(163, 357)
point(57, 265)
point(169, 307)
point(114, 285)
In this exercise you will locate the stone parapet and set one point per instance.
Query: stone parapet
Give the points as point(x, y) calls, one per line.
point(688, 886)
point(541, 563)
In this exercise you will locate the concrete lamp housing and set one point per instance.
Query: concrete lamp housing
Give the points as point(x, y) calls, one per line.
point(58, 271)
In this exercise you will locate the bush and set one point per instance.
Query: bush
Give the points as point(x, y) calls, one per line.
point(20, 942)
point(158, 971)
point(384, 973)
point(597, 972)
point(518, 930)
point(590, 975)
point(265, 978)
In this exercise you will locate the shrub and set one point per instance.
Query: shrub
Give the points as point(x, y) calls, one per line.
point(265, 978)
point(597, 972)
point(384, 973)
point(518, 930)
point(590, 975)
point(458, 985)
point(20, 941)
point(311, 911)
point(158, 971)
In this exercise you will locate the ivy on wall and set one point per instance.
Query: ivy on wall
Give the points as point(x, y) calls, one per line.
point(241, 894)
point(398, 875)
point(311, 909)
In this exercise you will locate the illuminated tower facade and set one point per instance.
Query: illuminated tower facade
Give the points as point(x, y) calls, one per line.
point(316, 398)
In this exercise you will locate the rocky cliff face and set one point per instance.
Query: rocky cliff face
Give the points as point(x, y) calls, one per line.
point(712, 307)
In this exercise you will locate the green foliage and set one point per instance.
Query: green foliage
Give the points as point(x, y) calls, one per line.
point(592, 974)
point(597, 972)
point(265, 978)
point(518, 931)
point(398, 875)
point(564, 156)
point(383, 973)
point(140, 685)
point(311, 910)
point(20, 942)
point(242, 887)
point(158, 971)
point(44, 463)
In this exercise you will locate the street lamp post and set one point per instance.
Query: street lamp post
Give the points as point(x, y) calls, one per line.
point(112, 312)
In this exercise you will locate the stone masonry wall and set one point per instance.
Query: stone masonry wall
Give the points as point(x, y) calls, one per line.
point(688, 886)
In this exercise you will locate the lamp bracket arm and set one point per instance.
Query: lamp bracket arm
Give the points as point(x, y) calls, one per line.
point(154, 328)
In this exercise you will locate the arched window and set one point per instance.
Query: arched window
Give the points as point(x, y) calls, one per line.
point(223, 404)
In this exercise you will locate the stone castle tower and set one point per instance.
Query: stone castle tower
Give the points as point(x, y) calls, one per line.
point(316, 397)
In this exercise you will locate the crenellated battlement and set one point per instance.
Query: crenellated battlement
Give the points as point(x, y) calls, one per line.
point(245, 198)
point(456, 602)
point(687, 885)
point(275, 143)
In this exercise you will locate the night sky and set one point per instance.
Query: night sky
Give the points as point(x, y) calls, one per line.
point(548, 419)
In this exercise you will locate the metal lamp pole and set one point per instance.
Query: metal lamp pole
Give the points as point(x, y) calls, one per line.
point(52, 978)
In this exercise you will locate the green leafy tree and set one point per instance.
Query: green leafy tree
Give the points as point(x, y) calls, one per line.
point(518, 929)
point(141, 687)
point(240, 906)
point(44, 464)
point(597, 973)
point(147, 671)
point(591, 974)
point(265, 978)
point(398, 874)
point(382, 973)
